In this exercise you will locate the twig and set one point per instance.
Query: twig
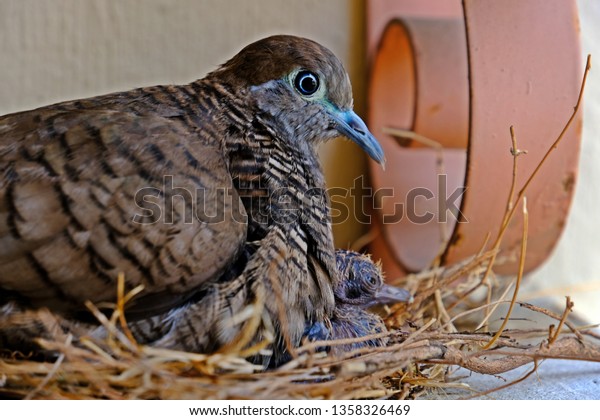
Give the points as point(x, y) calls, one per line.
point(111, 328)
point(494, 305)
point(568, 309)
point(50, 374)
point(251, 319)
point(519, 275)
point(122, 300)
point(485, 362)
point(516, 381)
point(312, 345)
point(443, 314)
point(552, 315)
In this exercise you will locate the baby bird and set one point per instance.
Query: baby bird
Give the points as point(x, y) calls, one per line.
point(361, 287)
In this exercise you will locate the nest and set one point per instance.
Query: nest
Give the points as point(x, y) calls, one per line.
point(424, 349)
point(444, 328)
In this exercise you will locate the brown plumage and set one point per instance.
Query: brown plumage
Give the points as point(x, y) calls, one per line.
point(208, 194)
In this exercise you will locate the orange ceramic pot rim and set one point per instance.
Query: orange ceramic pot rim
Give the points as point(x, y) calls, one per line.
point(462, 75)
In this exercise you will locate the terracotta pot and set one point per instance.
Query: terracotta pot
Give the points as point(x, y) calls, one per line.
point(462, 78)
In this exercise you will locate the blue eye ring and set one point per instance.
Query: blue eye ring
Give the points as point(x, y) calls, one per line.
point(306, 82)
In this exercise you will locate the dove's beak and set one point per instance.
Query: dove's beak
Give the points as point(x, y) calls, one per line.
point(350, 125)
point(389, 295)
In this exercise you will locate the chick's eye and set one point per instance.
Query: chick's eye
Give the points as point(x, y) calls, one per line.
point(306, 82)
point(372, 281)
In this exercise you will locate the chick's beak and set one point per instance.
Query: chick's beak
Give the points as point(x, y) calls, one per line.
point(352, 126)
point(388, 295)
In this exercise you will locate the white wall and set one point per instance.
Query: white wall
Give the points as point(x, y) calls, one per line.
point(574, 268)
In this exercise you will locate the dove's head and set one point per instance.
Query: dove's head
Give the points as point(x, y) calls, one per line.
point(362, 282)
point(301, 88)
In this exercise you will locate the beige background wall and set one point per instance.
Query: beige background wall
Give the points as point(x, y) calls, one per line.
point(52, 50)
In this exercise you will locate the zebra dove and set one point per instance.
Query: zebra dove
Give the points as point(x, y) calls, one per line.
point(201, 193)
point(361, 287)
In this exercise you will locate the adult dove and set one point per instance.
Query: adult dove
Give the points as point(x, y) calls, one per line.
point(188, 190)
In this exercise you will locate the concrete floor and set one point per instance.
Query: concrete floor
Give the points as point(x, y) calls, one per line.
point(554, 380)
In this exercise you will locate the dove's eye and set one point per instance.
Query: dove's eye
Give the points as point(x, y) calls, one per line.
point(306, 82)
